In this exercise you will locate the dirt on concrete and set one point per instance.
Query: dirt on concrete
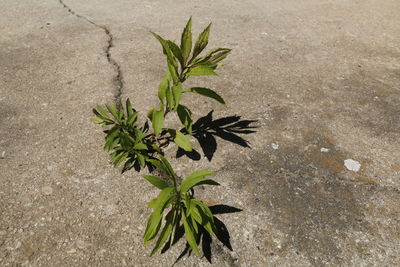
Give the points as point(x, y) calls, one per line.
point(315, 181)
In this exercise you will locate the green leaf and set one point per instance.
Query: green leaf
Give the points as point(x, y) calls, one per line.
point(141, 158)
point(181, 140)
point(201, 42)
point(113, 111)
point(97, 120)
point(132, 119)
point(166, 49)
point(163, 199)
point(194, 179)
point(151, 203)
point(206, 92)
point(195, 212)
point(203, 209)
point(167, 166)
point(126, 141)
point(104, 118)
point(150, 113)
point(201, 70)
point(129, 109)
point(219, 56)
point(194, 224)
point(157, 121)
point(186, 41)
point(185, 117)
point(176, 51)
point(170, 98)
point(101, 111)
point(111, 143)
point(216, 53)
point(140, 146)
point(177, 92)
point(111, 136)
point(162, 88)
point(120, 158)
point(189, 235)
point(207, 219)
point(128, 164)
point(165, 232)
point(173, 72)
point(139, 135)
point(156, 148)
point(153, 225)
point(156, 181)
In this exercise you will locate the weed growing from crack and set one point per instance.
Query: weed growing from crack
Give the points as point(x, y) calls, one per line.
point(137, 147)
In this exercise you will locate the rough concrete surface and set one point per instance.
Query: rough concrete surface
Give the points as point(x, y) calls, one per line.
point(319, 184)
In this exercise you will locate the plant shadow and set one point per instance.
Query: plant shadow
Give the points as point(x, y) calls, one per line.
point(206, 129)
point(204, 238)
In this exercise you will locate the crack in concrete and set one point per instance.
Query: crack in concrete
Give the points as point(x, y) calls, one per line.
point(118, 78)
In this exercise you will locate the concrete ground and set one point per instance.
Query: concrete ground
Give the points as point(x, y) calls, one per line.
point(319, 184)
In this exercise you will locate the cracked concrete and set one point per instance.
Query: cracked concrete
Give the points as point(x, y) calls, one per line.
point(118, 79)
point(321, 78)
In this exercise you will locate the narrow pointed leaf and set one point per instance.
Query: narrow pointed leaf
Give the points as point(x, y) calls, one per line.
point(170, 98)
point(129, 109)
point(157, 121)
point(165, 232)
point(186, 41)
point(97, 120)
point(201, 70)
point(173, 71)
point(156, 181)
point(120, 158)
point(102, 111)
point(113, 111)
point(163, 199)
point(153, 225)
point(176, 51)
point(181, 140)
point(167, 166)
point(140, 146)
point(166, 49)
point(214, 52)
point(201, 42)
point(194, 179)
point(162, 88)
point(189, 235)
point(177, 93)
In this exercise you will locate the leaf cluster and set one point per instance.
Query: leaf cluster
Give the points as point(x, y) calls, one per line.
point(180, 206)
point(182, 62)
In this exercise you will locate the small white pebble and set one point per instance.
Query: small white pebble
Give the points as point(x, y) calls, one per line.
point(352, 165)
point(275, 146)
point(3, 154)
point(324, 149)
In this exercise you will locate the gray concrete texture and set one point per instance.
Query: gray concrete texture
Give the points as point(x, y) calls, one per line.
point(321, 78)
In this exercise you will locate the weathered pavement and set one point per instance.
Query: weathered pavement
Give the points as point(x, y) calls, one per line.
point(322, 79)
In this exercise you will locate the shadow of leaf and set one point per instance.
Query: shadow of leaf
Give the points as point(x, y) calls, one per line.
point(228, 128)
